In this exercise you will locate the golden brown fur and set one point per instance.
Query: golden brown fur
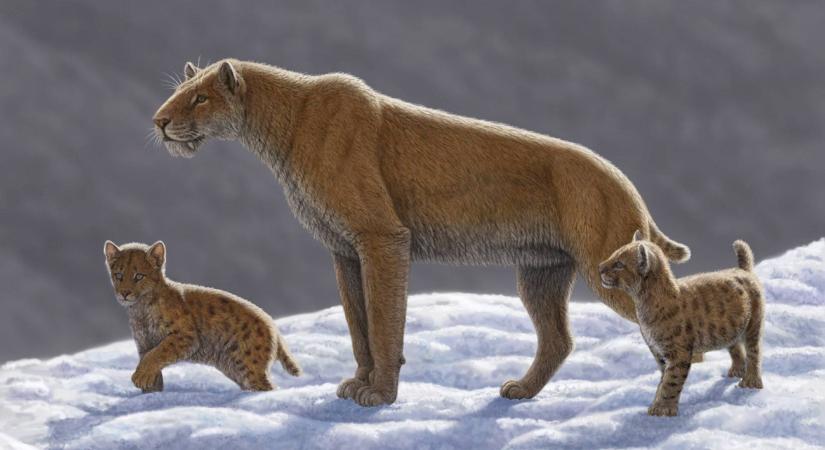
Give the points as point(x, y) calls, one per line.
point(382, 182)
point(174, 322)
point(699, 313)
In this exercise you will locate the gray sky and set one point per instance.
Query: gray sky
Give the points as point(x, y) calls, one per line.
point(714, 110)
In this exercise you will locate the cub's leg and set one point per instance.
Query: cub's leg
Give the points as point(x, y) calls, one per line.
point(250, 373)
point(157, 385)
point(666, 402)
point(753, 336)
point(171, 349)
point(660, 361)
point(257, 380)
point(350, 289)
point(737, 360)
point(385, 265)
point(545, 292)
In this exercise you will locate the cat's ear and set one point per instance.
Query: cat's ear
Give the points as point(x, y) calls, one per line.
point(637, 236)
point(157, 254)
point(190, 70)
point(644, 260)
point(110, 250)
point(228, 77)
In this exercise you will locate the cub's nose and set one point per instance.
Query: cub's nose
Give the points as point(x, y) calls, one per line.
point(602, 268)
point(161, 122)
point(125, 294)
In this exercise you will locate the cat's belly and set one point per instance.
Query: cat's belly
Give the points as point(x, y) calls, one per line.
point(485, 245)
point(442, 244)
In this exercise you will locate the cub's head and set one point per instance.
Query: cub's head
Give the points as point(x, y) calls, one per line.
point(135, 269)
point(206, 104)
point(630, 264)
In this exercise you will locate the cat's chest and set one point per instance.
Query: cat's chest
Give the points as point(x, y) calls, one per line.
point(146, 330)
point(315, 213)
point(649, 336)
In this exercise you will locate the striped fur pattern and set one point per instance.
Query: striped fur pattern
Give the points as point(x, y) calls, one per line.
point(174, 322)
point(680, 318)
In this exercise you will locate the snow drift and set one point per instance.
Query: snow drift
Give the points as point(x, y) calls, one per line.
point(459, 348)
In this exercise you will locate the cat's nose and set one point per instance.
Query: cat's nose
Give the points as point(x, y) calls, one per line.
point(125, 294)
point(161, 122)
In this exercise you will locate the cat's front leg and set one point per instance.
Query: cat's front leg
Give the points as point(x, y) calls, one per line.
point(174, 347)
point(147, 378)
point(157, 384)
point(666, 402)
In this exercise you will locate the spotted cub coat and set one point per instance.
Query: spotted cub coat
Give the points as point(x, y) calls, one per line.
point(174, 322)
point(682, 317)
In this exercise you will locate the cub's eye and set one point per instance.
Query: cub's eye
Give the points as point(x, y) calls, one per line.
point(200, 99)
point(138, 276)
point(119, 276)
point(619, 265)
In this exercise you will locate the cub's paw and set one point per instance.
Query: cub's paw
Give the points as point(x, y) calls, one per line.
point(349, 387)
point(157, 386)
point(372, 396)
point(736, 372)
point(516, 390)
point(663, 410)
point(751, 383)
point(147, 380)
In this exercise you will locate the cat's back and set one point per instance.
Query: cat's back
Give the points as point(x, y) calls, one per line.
point(217, 310)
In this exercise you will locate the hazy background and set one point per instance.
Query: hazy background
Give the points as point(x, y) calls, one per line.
point(714, 110)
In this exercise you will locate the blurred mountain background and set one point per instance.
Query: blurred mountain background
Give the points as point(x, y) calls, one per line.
point(715, 110)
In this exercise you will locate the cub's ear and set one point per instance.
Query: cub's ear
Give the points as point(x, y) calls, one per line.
point(637, 235)
point(110, 250)
point(228, 77)
point(190, 70)
point(157, 253)
point(644, 260)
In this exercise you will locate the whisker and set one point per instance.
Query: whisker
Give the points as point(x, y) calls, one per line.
point(173, 80)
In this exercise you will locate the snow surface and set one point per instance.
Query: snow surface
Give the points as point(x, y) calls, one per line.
point(459, 348)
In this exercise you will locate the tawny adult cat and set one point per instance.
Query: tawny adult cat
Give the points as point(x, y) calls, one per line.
point(382, 182)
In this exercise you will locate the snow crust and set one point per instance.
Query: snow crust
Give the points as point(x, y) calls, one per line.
point(459, 348)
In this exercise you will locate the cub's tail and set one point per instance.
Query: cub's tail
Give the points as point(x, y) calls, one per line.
point(674, 251)
point(744, 255)
point(287, 360)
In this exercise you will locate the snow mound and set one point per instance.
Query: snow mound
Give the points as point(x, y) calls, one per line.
point(459, 348)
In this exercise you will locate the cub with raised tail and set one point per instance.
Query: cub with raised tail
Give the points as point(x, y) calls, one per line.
point(174, 322)
point(681, 317)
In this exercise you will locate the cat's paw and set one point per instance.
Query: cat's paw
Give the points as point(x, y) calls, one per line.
point(372, 396)
point(146, 379)
point(349, 387)
point(751, 383)
point(516, 390)
point(660, 409)
point(736, 372)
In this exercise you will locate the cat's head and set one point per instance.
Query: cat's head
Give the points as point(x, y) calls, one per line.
point(207, 104)
point(135, 269)
point(630, 264)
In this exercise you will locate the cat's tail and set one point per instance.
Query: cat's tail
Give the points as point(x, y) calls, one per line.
point(744, 255)
point(285, 358)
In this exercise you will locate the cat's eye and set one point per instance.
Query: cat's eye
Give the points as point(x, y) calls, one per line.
point(619, 265)
point(200, 99)
point(138, 276)
point(119, 276)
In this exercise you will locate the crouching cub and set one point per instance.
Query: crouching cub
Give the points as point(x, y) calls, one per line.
point(174, 322)
point(680, 318)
